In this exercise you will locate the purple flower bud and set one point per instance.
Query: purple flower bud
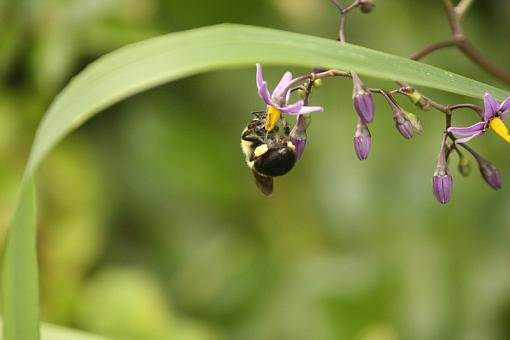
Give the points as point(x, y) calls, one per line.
point(402, 122)
point(363, 100)
point(442, 182)
point(298, 135)
point(404, 126)
point(490, 174)
point(442, 185)
point(362, 141)
point(299, 145)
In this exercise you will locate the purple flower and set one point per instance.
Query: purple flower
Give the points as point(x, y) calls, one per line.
point(362, 141)
point(363, 100)
point(277, 102)
point(493, 116)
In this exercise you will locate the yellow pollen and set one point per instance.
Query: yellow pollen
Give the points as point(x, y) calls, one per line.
point(273, 116)
point(499, 127)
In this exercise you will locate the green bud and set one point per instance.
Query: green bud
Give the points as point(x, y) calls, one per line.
point(419, 100)
point(464, 166)
point(317, 83)
point(415, 96)
point(415, 122)
point(301, 93)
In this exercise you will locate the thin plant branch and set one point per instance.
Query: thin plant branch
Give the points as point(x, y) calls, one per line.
point(432, 48)
point(459, 40)
point(462, 7)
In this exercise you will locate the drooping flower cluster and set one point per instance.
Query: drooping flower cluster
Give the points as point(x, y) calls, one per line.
point(278, 104)
point(492, 118)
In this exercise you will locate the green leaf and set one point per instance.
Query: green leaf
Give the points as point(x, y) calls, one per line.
point(19, 276)
point(140, 66)
point(52, 332)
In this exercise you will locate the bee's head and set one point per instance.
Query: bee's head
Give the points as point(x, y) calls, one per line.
point(275, 160)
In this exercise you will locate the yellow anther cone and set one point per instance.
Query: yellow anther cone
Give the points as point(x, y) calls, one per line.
point(273, 116)
point(500, 128)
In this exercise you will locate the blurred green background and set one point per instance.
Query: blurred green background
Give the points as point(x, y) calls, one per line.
point(151, 226)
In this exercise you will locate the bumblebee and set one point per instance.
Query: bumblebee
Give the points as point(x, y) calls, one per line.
point(268, 153)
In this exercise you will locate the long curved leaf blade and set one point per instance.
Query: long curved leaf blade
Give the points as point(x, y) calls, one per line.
point(20, 276)
point(52, 332)
point(140, 66)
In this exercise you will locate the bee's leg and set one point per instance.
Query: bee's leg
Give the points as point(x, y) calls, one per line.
point(249, 136)
point(259, 114)
point(285, 125)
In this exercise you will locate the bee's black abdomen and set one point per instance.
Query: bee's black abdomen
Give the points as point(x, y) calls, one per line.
point(275, 162)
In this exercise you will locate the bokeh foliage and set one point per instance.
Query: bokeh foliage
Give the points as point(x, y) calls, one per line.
point(151, 226)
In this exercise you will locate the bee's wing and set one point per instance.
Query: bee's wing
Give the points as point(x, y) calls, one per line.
point(264, 183)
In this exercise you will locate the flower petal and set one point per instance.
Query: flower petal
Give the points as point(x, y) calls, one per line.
point(504, 106)
point(262, 87)
point(491, 107)
point(282, 85)
point(310, 109)
point(260, 79)
point(467, 139)
point(264, 94)
point(468, 131)
point(292, 109)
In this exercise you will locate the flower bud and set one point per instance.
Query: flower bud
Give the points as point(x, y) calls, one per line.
point(403, 125)
point(362, 141)
point(366, 6)
point(402, 122)
point(298, 135)
point(299, 144)
point(464, 166)
point(317, 83)
point(419, 100)
point(363, 100)
point(442, 182)
point(489, 173)
point(415, 121)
